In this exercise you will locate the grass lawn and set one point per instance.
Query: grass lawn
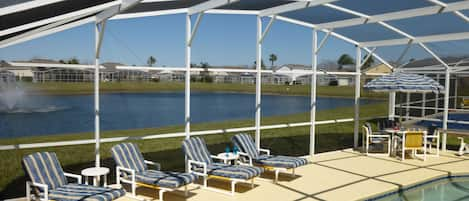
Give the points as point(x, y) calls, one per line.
point(58, 88)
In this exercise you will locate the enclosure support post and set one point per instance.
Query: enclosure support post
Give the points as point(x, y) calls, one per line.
point(437, 95)
point(258, 81)
point(424, 103)
point(392, 105)
point(455, 92)
point(99, 30)
point(446, 107)
point(187, 79)
point(187, 83)
point(312, 131)
point(407, 106)
point(357, 96)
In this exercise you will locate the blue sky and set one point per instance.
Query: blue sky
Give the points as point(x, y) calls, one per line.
point(220, 40)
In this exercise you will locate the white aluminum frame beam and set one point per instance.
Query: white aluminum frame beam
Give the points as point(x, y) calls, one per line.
point(196, 27)
point(93, 9)
point(26, 6)
point(339, 36)
point(292, 7)
point(208, 5)
point(403, 14)
point(420, 39)
point(444, 5)
point(267, 29)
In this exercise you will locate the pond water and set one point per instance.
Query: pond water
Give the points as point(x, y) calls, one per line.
point(44, 115)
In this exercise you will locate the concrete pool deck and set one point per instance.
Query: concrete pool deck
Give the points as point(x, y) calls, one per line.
point(339, 175)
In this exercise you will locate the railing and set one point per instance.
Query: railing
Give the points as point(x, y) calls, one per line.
point(172, 135)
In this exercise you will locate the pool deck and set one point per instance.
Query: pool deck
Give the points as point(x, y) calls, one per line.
point(339, 175)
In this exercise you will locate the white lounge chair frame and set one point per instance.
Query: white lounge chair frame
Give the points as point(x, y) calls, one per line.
point(134, 184)
point(45, 188)
point(276, 170)
point(207, 176)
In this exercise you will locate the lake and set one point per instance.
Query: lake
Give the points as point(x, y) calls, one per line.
point(45, 115)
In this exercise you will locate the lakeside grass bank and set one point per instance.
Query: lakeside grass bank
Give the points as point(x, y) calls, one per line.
point(67, 88)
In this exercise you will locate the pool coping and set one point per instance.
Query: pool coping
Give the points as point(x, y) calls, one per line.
point(413, 186)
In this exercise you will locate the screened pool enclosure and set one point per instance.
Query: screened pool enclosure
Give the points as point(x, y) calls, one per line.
point(369, 25)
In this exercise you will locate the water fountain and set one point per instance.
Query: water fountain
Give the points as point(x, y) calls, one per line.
point(10, 92)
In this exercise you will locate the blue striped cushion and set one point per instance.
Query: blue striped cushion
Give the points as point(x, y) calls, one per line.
point(281, 161)
point(128, 155)
point(44, 168)
point(246, 144)
point(74, 192)
point(165, 179)
point(232, 171)
point(196, 149)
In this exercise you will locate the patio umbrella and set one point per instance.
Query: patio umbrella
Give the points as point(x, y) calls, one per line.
point(404, 82)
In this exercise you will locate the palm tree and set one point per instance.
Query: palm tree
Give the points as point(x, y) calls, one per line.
point(272, 59)
point(151, 60)
point(345, 59)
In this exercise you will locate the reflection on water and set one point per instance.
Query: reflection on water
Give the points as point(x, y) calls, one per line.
point(42, 115)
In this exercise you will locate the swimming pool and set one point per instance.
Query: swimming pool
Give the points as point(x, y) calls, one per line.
point(447, 189)
point(451, 126)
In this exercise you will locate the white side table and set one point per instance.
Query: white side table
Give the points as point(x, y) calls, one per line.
point(96, 173)
point(228, 157)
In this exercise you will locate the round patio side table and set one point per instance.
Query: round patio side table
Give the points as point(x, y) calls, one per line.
point(96, 173)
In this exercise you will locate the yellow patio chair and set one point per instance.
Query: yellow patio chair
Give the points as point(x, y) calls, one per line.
point(414, 140)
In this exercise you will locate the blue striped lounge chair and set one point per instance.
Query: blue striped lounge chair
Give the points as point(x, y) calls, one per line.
point(278, 164)
point(48, 181)
point(131, 168)
point(200, 162)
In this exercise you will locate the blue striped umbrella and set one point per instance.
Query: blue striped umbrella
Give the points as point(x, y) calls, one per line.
point(404, 82)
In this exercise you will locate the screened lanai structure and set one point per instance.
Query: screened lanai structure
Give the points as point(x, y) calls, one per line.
point(379, 24)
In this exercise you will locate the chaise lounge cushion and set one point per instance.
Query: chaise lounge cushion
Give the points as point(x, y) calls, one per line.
point(165, 179)
point(232, 171)
point(280, 161)
point(72, 192)
point(246, 144)
point(44, 168)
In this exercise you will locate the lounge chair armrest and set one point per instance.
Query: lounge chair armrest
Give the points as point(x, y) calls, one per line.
point(43, 187)
point(247, 156)
point(120, 169)
point(264, 150)
point(75, 176)
point(154, 164)
point(216, 157)
point(204, 166)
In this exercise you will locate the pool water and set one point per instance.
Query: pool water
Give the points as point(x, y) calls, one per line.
point(443, 190)
point(452, 126)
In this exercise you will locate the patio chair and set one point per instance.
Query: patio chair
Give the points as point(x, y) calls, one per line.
point(433, 136)
point(375, 138)
point(131, 168)
point(414, 140)
point(200, 162)
point(278, 164)
point(48, 181)
point(386, 123)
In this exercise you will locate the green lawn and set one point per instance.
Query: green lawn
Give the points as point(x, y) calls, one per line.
point(64, 88)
